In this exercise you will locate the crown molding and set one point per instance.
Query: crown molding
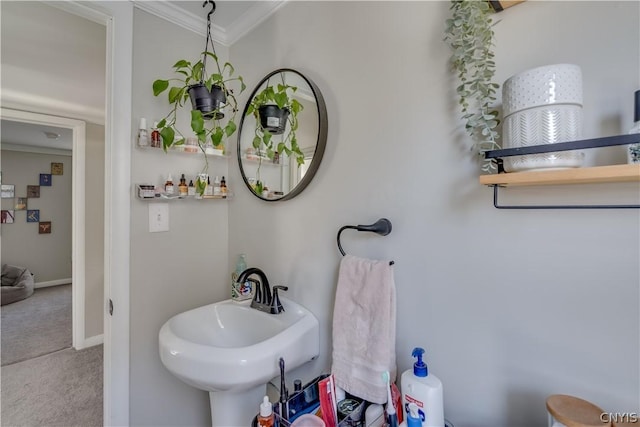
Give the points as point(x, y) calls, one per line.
point(176, 15)
point(24, 101)
point(37, 150)
point(252, 18)
point(223, 35)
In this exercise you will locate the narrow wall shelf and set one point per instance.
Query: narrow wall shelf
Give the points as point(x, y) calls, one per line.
point(147, 193)
point(592, 175)
point(167, 197)
point(183, 150)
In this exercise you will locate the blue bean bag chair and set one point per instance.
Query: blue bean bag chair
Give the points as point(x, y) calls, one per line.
point(17, 284)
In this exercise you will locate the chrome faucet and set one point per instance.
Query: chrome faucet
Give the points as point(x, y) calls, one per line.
point(263, 300)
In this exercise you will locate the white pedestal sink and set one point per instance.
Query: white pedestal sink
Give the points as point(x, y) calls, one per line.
point(232, 350)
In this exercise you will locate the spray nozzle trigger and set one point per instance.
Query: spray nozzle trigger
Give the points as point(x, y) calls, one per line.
point(419, 368)
point(413, 410)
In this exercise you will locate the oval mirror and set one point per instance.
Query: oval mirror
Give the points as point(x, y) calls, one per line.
point(282, 136)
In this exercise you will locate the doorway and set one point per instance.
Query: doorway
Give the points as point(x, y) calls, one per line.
point(117, 18)
point(72, 49)
point(78, 222)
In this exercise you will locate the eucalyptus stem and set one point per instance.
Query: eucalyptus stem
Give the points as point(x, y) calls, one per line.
point(470, 35)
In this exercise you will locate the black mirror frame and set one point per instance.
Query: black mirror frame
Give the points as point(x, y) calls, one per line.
point(321, 142)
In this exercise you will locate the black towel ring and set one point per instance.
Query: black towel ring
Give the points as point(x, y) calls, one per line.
point(381, 227)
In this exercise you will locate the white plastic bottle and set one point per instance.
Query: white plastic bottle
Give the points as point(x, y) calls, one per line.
point(143, 137)
point(425, 390)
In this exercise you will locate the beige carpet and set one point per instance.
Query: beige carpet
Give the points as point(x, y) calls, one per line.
point(43, 381)
point(38, 325)
point(59, 389)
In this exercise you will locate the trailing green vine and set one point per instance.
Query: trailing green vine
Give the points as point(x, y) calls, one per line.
point(469, 33)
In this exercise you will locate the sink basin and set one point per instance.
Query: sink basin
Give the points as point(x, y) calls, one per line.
point(229, 347)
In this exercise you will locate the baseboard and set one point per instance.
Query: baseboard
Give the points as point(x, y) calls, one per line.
point(52, 283)
point(91, 342)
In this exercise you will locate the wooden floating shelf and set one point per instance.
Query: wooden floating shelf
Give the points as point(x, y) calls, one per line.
point(591, 175)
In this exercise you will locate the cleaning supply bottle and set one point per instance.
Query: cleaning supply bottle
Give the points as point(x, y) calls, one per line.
point(413, 417)
point(423, 389)
point(240, 291)
point(266, 417)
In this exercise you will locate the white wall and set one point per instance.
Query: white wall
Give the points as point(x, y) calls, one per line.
point(94, 230)
point(511, 306)
point(41, 68)
point(71, 85)
point(176, 270)
point(47, 256)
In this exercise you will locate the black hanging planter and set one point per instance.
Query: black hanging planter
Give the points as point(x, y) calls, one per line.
point(207, 102)
point(273, 119)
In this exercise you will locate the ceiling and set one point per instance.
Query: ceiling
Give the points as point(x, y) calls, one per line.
point(231, 20)
point(227, 13)
point(16, 133)
point(74, 48)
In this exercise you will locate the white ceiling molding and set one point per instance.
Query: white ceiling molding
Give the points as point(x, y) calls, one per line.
point(37, 150)
point(251, 19)
point(93, 13)
point(40, 104)
point(197, 24)
point(179, 16)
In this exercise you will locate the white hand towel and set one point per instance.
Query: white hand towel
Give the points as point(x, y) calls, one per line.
point(364, 328)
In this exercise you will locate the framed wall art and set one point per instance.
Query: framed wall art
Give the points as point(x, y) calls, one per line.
point(33, 215)
point(33, 191)
point(8, 191)
point(44, 227)
point(57, 168)
point(21, 204)
point(45, 180)
point(7, 217)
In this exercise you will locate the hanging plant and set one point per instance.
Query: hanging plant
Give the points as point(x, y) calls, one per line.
point(210, 95)
point(274, 109)
point(469, 32)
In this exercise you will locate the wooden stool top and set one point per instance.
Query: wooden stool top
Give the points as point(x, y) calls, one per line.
point(574, 412)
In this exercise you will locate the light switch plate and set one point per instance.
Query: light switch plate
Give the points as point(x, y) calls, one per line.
point(158, 217)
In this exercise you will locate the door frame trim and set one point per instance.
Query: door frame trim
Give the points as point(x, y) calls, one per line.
point(78, 170)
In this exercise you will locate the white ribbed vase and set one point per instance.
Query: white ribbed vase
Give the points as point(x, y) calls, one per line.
point(543, 106)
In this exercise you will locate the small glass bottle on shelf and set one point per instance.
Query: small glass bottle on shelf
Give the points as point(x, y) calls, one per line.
point(266, 417)
point(216, 187)
point(208, 190)
point(182, 187)
point(168, 185)
point(156, 140)
point(223, 187)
